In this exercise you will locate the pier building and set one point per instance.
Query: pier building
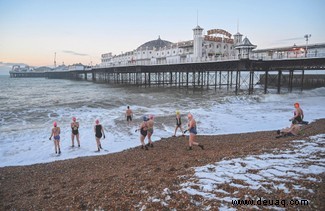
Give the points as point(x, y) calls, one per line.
point(216, 45)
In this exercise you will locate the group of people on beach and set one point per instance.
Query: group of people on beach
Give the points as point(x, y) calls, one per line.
point(296, 122)
point(98, 130)
point(146, 129)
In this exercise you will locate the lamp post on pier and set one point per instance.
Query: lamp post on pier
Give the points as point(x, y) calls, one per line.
point(307, 36)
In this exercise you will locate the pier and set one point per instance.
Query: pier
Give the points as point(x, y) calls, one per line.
point(244, 75)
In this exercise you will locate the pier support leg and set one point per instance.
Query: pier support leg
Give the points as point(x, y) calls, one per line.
point(302, 80)
point(266, 81)
point(279, 81)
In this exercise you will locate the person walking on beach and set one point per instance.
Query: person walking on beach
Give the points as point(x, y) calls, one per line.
point(192, 129)
point(143, 132)
point(129, 115)
point(75, 131)
point(298, 114)
point(178, 123)
point(99, 133)
point(56, 135)
point(150, 124)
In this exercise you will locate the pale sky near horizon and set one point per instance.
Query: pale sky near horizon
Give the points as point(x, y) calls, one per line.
point(81, 30)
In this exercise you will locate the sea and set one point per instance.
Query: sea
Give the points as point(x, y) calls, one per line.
point(29, 106)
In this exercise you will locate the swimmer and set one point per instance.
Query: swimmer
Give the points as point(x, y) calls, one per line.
point(99, 132)
point(178, 123)
point(298, 114)
point(75, 131)
point(129, 115)
point(192, 129)
point(293, 130)
point(143, 132)
point(150, 124)
point(56, 134)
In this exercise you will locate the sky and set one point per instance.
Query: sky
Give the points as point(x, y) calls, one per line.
point(79, 31)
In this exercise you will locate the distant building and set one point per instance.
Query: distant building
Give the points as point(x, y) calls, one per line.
point(289, 52)
point(217, 44)
point(42, 69)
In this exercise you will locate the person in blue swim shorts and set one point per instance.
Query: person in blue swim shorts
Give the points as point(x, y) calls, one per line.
point(56, 135)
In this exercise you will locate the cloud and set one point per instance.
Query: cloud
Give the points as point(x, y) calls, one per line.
point(290, 39)
point(75, 53)
point(10, 64)
point(5, 67)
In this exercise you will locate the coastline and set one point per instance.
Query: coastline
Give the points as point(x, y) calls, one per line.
point(131, 178)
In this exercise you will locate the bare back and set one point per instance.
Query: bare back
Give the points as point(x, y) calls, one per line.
point(128, 112)
point(56, 131)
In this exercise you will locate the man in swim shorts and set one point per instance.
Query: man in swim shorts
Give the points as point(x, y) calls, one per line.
point(129, 114)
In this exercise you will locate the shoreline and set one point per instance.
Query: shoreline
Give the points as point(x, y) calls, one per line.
point(127, 179)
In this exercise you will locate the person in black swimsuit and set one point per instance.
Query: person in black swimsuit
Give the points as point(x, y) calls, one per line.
point(75, 131)
point(99, 132)
point(298, 114)
point(143, 132)
point(178, 123)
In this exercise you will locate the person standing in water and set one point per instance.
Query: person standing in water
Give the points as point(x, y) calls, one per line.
point(298, 114)
point(75, 131)
point(56, 135)
point(143, 132)
point(192, 129)
point(150, 124)
point(129, 115)
point(99, 133)
point(178, 123)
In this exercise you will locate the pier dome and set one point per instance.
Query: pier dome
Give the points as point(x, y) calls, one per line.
point(159, 43)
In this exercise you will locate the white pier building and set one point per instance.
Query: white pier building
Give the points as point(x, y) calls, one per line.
point(216, 45)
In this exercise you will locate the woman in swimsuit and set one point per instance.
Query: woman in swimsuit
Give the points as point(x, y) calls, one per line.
point(298, 114)
point(150, 124)
point(192, 129)
point(75, 131)
point(99, 132)
point(178, 123)
point(143, 132)
point(56, 134)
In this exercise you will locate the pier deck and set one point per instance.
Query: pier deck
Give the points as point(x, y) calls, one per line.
point(236, 75)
